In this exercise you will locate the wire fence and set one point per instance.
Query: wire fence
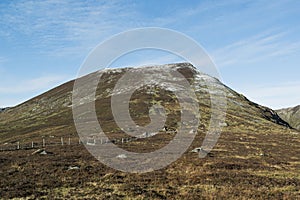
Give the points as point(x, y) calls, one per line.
point(42, 143)
point(68, 141)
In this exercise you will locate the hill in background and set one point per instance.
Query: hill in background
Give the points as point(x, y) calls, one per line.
point(291, 115)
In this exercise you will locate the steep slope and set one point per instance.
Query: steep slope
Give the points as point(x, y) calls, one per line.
point(51, 113)
point(291, 115)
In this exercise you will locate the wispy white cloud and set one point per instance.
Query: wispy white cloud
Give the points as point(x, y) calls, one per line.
point(146, 58)
point(253, 49)
point(10, 101)
point(15, 92)
point(156, 61)
point(2, 59)
point(275, 96)
point(59, 27)
point(72, 28)
point(183, 15)
point(31, 85)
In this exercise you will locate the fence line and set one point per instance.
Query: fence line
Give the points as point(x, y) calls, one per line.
point(46, 142)
point(43, 143)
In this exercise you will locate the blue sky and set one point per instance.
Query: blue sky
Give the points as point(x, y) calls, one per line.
point(255, 44)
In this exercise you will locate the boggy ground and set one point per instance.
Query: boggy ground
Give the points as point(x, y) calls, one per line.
point(241, 166)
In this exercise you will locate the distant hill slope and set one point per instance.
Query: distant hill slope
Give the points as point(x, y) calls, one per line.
point(50, 114)
point(3, 109)
point(291, 115)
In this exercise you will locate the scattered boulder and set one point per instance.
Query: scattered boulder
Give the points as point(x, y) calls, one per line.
point(202, 153)
point(42, 152)
point(223, 124)
point(122, 156)
point(73, 168)
point(198, 150)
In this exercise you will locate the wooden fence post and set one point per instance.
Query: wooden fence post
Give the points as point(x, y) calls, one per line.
point(44, 142)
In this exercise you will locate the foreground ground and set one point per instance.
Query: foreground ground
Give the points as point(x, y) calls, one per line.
point(242, 166)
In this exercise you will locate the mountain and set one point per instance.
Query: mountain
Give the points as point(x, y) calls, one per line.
point(291, 115)
point(51, 113)
point(257, 154)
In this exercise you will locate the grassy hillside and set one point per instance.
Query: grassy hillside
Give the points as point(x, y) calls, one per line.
point(256, 157)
